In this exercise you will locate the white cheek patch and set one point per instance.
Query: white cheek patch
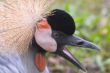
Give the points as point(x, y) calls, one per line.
point(44, 40)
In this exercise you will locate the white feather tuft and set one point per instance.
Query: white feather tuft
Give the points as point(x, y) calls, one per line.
point(17, 21)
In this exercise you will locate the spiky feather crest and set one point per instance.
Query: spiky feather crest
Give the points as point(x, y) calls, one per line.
point(17, 21)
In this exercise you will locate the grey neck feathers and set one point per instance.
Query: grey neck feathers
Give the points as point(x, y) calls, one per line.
point(15, 63)
point(10, 63)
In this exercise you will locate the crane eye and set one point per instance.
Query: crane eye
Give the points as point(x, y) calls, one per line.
point(58, 35)
point(55, 34)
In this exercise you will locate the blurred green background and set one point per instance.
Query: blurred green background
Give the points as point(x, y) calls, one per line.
point(92, 20)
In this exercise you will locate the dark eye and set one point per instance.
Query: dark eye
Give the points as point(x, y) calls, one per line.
point(55, 34)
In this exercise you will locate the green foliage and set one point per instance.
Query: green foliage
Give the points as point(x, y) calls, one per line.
point(92, 20)
point(95, 28)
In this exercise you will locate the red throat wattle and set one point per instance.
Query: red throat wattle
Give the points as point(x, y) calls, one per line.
point(40, 61)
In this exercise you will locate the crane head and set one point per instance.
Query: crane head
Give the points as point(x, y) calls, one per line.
point(58, 35)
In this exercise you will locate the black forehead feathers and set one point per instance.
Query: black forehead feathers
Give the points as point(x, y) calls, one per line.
point(61, 21)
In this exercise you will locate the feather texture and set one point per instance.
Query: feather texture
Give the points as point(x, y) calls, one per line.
point(18, 19)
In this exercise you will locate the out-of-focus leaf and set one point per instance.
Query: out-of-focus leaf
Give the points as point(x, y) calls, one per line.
point(107, 61)
point(99, 62)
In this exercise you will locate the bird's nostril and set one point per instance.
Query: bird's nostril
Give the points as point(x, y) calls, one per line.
point(80, 43)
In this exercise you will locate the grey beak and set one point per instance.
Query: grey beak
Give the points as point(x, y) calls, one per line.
point(79, 42)
point(74, 41)
point(68, 56)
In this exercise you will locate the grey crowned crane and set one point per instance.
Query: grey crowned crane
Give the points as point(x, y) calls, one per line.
point(62, 30)
point(26, 34)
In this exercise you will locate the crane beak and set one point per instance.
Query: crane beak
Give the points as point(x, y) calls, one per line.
point(79, 42)
point(73, 41)
point(67, 55)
